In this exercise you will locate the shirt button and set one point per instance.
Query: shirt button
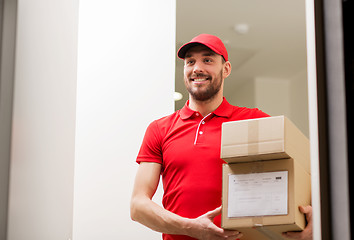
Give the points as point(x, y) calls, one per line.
point(197, 114)
point(201, 132)
point(203, 122)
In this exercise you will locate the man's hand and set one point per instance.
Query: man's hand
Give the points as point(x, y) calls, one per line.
point(306, 234)
point(203, 228)
point(154, 216)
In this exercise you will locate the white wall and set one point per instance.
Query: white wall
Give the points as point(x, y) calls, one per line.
point(125, 80)
point(43, 134)
point(277, 97)
point(299, 101)
point(273, 96)
point(244, 95)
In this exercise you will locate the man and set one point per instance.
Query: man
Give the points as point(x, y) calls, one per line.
point(184, 148)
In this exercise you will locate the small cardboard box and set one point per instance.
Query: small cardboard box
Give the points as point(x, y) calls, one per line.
point(263, 139)
point(265, 194)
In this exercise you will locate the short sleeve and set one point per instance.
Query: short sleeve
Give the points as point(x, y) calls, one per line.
point(151, 147)
point(259, 114)
point(250, 113)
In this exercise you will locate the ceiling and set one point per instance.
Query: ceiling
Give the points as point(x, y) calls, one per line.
point(271, 45)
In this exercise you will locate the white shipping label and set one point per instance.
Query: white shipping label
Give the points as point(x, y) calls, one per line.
point(258, 194)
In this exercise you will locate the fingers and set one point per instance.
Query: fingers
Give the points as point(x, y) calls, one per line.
point(213, 213)
point(210, 229)
point(230, 235)
point(292, 235)
point(306, 234)
point(234, 237)
point(307, 210)
point(222, 233)
point(227, 234)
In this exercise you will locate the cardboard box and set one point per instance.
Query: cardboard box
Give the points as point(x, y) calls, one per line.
point(263, 139)
point(298, 192)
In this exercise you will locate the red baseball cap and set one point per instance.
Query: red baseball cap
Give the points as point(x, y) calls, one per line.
point(211, 41)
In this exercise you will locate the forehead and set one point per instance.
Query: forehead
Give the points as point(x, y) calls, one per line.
point(200, 49)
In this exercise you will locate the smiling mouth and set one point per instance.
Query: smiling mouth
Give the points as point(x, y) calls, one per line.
point(200, 79)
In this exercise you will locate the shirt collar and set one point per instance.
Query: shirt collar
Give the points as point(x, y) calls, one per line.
point(186, 112)
point(224, 110)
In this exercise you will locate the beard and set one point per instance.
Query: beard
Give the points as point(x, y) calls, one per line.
point(211, 90)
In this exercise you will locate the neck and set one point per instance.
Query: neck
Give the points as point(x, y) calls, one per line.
point(205, 107)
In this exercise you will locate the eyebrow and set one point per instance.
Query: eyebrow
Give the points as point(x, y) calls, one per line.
point(206, 54)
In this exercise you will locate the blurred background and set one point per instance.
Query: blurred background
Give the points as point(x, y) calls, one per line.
point(81, 81)
point(266, 42)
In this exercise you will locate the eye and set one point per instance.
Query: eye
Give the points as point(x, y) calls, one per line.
point(189, 61)
point(208, 60)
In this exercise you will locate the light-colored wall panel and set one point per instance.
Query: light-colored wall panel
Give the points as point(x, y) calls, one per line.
point(273, 96)
point(125, 80)
point(299, 102)
point(244, 95)
point(43, 134)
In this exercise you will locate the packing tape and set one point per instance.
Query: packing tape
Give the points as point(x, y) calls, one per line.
point(257, 167)
point(257, 221)
point(253, 137)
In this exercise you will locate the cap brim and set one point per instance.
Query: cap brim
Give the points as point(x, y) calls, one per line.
point(184, 49)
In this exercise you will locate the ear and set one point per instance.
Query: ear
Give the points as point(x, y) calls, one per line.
point(227, 69)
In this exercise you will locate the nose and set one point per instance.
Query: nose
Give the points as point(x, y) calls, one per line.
point(197, 67)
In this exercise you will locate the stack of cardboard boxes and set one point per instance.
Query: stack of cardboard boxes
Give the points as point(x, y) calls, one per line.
point(266, 178)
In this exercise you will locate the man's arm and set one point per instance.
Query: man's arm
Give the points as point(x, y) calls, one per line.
point(152, 215)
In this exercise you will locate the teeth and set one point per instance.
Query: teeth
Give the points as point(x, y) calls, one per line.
point(199, 79)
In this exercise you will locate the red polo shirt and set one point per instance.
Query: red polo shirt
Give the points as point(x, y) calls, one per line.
point(187, 145)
